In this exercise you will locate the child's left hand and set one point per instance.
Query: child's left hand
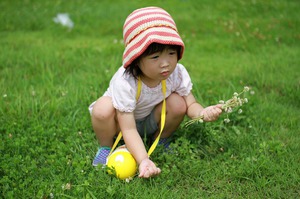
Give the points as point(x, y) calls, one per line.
point(211, 113)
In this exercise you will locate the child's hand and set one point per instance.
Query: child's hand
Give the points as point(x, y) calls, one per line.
point(147, 169)
point(211, 113)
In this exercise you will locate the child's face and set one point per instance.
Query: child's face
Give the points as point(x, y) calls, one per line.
point(158, 66)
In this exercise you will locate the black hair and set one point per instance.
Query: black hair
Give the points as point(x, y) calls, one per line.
point(134, 68)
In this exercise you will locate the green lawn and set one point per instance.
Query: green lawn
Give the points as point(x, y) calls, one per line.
point(49, 75)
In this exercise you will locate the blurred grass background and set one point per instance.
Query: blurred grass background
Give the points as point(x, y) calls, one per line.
point(49, 75)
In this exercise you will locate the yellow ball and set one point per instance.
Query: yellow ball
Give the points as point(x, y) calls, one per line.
point(122, 162)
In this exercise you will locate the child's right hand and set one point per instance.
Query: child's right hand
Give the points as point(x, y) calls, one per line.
point(148, 169)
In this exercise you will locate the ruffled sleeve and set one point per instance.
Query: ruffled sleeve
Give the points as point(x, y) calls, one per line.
point(123, 94)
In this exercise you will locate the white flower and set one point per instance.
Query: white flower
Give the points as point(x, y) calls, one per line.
point(51, 195)
point(252, 92)
point(240, 102)
point(228, 110)
point(222, 102)
point(227, 106)
point(67, 186)
point(246, 88)
point(226, 120)
point(128, 179)
point(5, 95)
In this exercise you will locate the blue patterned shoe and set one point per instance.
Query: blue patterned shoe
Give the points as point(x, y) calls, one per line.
point(101, 156)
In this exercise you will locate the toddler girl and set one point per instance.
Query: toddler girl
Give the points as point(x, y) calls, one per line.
point(152, 50)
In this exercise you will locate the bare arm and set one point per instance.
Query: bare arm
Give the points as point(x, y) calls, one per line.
point(131, 136)
point(135, 145)
point(194, 109)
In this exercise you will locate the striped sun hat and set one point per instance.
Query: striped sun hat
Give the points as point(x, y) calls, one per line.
point(146, 26)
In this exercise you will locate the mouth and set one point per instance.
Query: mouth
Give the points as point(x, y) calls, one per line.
point(165, 73)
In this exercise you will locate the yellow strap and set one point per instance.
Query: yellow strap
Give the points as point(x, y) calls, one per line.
point(162, 118)
point(116, 142)
point(139, 89)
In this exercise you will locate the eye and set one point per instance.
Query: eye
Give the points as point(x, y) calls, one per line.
point(172, 51)
point(154, 56)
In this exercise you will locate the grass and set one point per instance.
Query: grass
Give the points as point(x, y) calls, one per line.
point(50, 75)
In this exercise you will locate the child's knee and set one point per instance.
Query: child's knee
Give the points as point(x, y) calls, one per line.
point(181, 107)
point(178, 105)
point(103, 110)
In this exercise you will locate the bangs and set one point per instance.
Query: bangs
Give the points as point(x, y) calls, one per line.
point(156, 47)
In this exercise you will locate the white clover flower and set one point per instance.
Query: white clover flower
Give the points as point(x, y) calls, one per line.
point(228, 106)
point(51, 195)
point(240, 102)
point(67, 186)
point(252, 92)
point(226, 120)
point(246, 88)
point(5, 95)
point(229, 110)
point(128, 179)
point(222, 102)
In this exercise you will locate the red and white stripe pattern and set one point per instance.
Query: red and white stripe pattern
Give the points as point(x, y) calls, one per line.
point(146, 26)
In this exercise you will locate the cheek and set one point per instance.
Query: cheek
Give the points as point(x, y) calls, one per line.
point(147, 66)
point(174, 61)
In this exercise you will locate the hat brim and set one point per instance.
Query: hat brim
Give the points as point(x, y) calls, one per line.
point(161, 35)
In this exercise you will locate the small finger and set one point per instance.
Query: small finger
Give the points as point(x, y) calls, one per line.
point(158, 171)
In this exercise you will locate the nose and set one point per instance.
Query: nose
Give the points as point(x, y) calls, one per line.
point(164, 63)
